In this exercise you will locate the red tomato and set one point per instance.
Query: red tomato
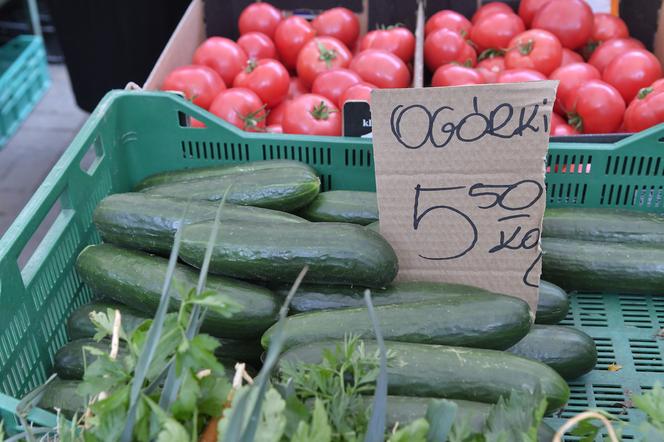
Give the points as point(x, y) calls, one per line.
point(597, 108)
point(399, 41)
point(488, 75)
point(297, 88)
point(446, 46)
point(632, 71)
point(608, 26)
point(448, 19)
point(241, 107)
point(559, 128)
point(495, 31)
point(456, 75)
point(332, 84)
point(528, 9)
point(646, 110)
point(569, 57)
point(257, 46)
point(381, 68)
point(259, 17)
point(535, 49)
point(571, 77)
point(608, 50)
point(490, 8)
point(569, 20)
point(657, 86)
point(200, 84)
point(319, 55)
point(495, 64)
point(313, 115)
point(276, 114)
point(268, 78)
point(291, 35)
point(340, 23)
point(196, 123)
point(274, 129)
point(520, 75)
point(358, 92)
point(222, 55)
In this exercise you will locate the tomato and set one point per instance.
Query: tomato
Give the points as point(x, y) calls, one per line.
point(297, 88)
point(646, 110)
point(259, 17)
point(490, 8)
point(559, 128)
point(571, 77)
point(399, 41)
point(289, 38)
point(332, 84)
point(528, 9)
point(241, 107)
point(257, 46)
point(358, 92)
point(596, 108)
point(319, 55)
point(223, 55)
point(200, 84)
point(456, 75)
point(268, 78)
point(608, 50)
point(495, 31)
point(446, 46)
point(520, 75)
point(569, 57)
point(340, 23)
point(448, 19)
point(535, 49)
point(313, 115)
point(569, 20)
point(632, 71)
point(657, 86)
point(276, 114)
point(274, 129)
point(384, 69)
point(490, 68)
point(196, 123)
point(608, 26)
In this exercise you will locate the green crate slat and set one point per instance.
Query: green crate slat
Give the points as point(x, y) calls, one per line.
point(134, 134)
point(23, 80)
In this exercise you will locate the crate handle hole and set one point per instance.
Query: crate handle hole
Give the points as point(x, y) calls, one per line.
point(92, 157)
point(186, 120)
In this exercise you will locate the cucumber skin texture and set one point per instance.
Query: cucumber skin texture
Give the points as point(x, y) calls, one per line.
point(608, 225)
point(80, 326)
point(135, 279)
point(336, 253)
point(63, 394)
point(148, 222)
point(68, 360)
point(346, 206)
point(552, 304)
point(471, 374)
point(471, 320)
point(375, 226)
point(605, 267)
point(567, 350)
point(288, 187)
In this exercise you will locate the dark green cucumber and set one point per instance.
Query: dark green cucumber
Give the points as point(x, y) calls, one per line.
point(70, 362)
point(148, 222)
point(344, 206)
point(135, 279)
point(603, 266)
point(608, 225)
point(336, 253)
point(567, 350)
point(481, 320)
point(552, 304)
point(454, 372)
point(80, 326)
point(63, 395)
point(374, 226)
point(287, 186)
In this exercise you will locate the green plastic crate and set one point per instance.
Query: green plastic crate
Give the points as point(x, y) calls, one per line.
point(23, 80)
point(134, 134)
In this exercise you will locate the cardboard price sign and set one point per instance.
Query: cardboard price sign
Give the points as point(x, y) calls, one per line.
point(460, 182)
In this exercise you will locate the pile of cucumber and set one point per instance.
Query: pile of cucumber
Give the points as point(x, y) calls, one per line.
point(449, 340)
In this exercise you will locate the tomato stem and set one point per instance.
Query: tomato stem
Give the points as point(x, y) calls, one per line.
point(321, 111)
point(326, 55)
point(644, 92)
point(526, 48)
point(251, 65)
point(490, 53)
point(252, 119)
point(575, 120)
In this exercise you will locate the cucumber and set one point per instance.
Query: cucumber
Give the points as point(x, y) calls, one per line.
point(603, 266)
point(69, 361)
point(80, 326)
point(346, 206)
point(569, 351)
point(286, 185)
point(63, 395)
point(148, 222)
point(374, 226)
point(608, 225)
point(336, 253)
point(135, 279)
point(472, 374)
point(482, 320)
point(552, 304)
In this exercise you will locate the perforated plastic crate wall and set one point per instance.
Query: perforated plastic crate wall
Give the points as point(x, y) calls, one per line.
point(131, 135)
point(23, 80)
